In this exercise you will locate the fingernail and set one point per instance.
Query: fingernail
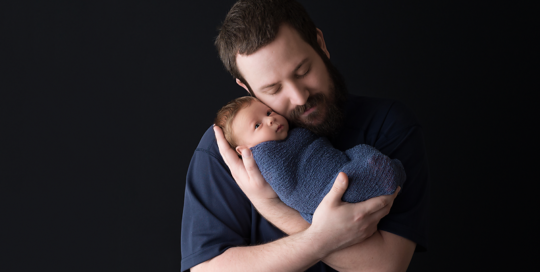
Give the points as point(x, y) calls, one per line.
point(341, 179)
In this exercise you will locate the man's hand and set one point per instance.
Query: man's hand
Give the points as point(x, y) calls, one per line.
point(344, 224)
point(245, 171)
point(340, 224)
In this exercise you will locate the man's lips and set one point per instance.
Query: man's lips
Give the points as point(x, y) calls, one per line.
point(307, 112)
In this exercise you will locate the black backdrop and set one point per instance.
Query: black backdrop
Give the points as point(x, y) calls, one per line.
point(107, 100)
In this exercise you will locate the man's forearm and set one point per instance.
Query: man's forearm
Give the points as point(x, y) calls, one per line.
point(292, 253)
point(382, 251)
point(282, 216)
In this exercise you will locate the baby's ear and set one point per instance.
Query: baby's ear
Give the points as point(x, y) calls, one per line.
point(238, 150)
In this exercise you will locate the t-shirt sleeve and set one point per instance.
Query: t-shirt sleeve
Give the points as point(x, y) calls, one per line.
point(402, 138)
point(217, 214)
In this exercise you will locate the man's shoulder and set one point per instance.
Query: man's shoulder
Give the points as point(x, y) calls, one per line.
point(369, 119)
point(379, 112)
point(208, 143)
point(369, 100)
point(208, 139)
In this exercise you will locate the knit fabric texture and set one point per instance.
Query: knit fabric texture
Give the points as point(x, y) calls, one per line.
point(302, 169)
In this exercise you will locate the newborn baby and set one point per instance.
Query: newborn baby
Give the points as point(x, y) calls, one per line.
point(300, 166)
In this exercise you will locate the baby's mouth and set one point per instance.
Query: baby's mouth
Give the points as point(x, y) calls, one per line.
point(279, 128)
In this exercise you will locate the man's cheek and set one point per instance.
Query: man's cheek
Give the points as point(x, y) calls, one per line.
point(289, 116)
point(280, 107)
point(287, 113)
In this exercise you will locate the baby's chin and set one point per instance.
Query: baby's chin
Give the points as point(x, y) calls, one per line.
point(285, 136)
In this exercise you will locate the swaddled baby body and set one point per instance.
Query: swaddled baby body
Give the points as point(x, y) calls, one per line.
point(300, 166)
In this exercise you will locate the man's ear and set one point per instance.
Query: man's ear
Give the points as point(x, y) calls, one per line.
point(320, 41)
point(239, 82)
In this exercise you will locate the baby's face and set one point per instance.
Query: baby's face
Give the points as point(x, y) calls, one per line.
point(257, 123)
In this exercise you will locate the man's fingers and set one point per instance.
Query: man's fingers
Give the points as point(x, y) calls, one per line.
point(249, 163)
point(397, 191)
point(380, 204)
point(245, 171)
point(338, 189)
point(229, 155)
point(391, 202)
point(380, 213)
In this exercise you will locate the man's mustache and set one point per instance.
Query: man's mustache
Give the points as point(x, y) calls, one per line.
point(312, 101)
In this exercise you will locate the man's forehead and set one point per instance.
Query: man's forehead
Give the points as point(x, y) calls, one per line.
point(259, 65)
point(271, 61)
point(265, 71)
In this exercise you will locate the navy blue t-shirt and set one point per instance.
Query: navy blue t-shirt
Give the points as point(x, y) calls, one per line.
point(218, 215)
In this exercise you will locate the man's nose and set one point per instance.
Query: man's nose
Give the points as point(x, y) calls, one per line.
point(298, 95)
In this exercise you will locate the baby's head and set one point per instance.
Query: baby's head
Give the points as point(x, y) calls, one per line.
point(246, 121)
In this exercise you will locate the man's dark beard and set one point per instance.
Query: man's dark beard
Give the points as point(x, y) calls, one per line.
point(334, 105)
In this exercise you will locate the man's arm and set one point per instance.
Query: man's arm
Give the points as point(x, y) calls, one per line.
point(301, 250)
point(292, 253)
point(296, 252)
point(383, 251)
point(346, 223)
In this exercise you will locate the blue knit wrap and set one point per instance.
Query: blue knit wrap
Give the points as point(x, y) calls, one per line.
point(302, 169)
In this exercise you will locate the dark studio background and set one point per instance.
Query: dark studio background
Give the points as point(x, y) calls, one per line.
point(104, 102)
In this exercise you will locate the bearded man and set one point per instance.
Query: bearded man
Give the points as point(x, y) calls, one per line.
point(234, 221)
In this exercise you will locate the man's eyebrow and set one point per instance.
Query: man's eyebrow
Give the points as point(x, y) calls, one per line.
point(263, 88)
point(300, 65)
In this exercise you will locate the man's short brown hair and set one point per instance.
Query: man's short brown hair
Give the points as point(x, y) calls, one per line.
point(252, 24)
point(225, 117)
